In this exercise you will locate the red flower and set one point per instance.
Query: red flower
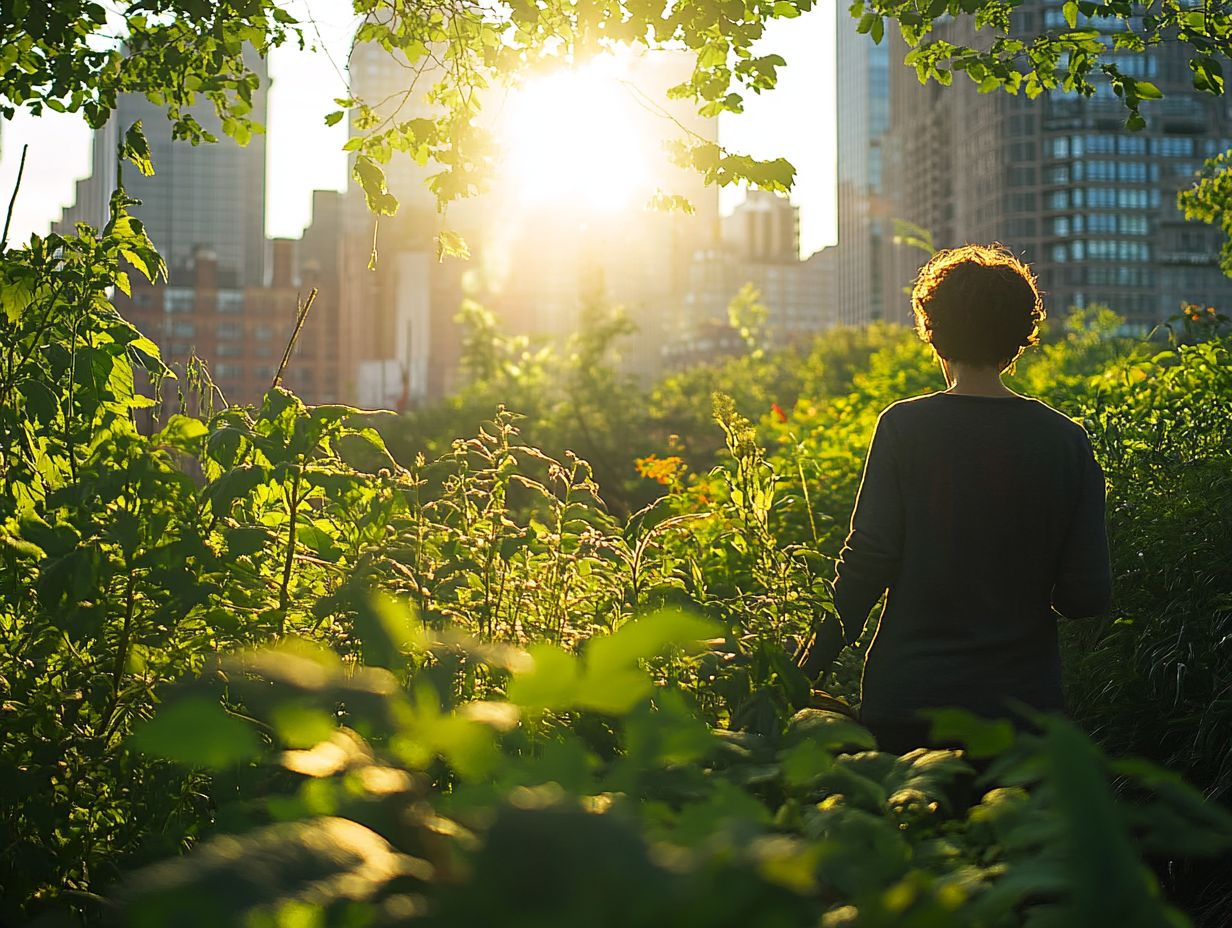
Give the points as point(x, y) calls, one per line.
point(778, 412)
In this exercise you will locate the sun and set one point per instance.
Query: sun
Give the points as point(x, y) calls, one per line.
point(577, 138)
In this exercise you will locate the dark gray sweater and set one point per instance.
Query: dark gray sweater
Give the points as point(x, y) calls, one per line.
point(981, 515)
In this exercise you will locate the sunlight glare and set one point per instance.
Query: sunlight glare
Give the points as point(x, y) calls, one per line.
point(577, 137)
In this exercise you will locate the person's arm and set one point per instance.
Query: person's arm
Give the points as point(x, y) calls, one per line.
point(1083, 585)
point(872, 553)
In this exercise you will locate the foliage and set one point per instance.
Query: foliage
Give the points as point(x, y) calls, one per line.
point(1208, 200)
point(64, 56)
point(634, 812)
point(1073, 60)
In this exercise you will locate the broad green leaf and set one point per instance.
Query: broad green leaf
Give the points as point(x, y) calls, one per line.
point(551, 681)
point(650, 636)
point(830, 730)
point(137, 150)
point(982, 737)
point(389, 630)
point(181, 432)
point(196, 731)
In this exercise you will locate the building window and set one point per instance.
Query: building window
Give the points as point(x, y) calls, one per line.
point(1175, 146)
point(227, 371)
point(184, 329)
point(1060, 225)
point(229, 350)
point(230, 301)
point(178, 300)
point(1100, 145)
point(230, 330)
point(263, 332)
point(1101, 222)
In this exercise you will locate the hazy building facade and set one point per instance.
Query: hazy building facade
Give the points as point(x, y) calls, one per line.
point(401, 341)
point(200, 196)
point(1060, 180)
point(864, 283)
point(760, 247)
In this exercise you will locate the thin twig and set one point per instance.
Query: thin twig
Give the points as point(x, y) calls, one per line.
point(299, 324)
point(8, 219)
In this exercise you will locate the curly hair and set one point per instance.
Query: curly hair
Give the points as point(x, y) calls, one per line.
point(977, 304)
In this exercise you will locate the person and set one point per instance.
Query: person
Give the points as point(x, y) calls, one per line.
point(981, 511)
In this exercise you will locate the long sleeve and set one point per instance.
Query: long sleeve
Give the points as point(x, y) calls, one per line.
point(872, 553)
point(1083, 585)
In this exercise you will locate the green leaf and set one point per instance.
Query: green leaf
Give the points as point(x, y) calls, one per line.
point(41, 402)
point(137, 150)
point(982, 737)
point(388, 629)
point(1070, 11)
point(15, 296)
point(830, 730)
point(181, 432)
point(286, 875)
point(550, 682)
point(372, 181)
point(196, 731)
point(302, 725)
point(451, 245)
point(234, 484)
point(649, 637)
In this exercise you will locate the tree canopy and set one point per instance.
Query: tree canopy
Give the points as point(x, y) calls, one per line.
point(77, 56)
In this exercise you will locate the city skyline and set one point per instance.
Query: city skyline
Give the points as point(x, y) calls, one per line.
point(304, 154)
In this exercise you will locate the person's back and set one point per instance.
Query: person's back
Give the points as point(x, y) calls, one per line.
point(981, 511)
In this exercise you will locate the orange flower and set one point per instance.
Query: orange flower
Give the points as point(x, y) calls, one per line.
point(661, 470)
point(778, 412)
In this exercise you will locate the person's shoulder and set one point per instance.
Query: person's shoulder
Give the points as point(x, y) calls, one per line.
point(1055, 419)
point(901, 410)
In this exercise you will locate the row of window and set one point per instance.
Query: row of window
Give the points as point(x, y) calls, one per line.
point(1168, 146)
point(184, 300)
point(1101, 250)
point(1107, 275)
point(1125, 171)
point(224, 330)
point(1126, 304)
point(226, 370)
point(1103, 198)
point(1115, 223)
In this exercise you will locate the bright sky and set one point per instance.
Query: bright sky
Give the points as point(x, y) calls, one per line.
point(795, 121)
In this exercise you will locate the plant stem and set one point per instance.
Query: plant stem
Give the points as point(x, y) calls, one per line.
point(121, 658)
point(8, 219)
point(300, 317)
point(284, 597)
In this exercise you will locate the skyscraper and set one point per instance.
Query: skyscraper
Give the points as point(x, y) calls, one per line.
point(865, 288)
point(200, 196)
point(399, 338)
point(1060, 180)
